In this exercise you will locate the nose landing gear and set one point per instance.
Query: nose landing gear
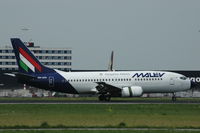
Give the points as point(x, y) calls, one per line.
point(174, 97)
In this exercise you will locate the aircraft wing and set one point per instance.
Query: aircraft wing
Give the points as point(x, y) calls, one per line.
point(105, 88)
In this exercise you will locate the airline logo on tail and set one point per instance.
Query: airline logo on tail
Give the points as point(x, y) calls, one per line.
point(27, 62)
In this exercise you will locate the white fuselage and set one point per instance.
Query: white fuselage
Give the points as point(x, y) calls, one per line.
point(149, 81)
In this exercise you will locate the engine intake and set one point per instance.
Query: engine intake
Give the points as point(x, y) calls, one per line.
point(133, 91)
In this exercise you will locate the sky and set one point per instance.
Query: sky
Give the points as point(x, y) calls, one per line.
point(144, 34)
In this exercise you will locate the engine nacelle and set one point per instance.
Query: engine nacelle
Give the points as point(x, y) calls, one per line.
point(133, 91)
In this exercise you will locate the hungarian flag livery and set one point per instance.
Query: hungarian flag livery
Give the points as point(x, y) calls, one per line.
point(27, 62)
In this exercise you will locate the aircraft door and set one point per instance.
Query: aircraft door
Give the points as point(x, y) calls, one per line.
point(51, 81)
point(172, 81)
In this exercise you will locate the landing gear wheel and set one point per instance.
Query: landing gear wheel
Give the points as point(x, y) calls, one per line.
point(101, 98)
point(107, 98)
point(174, 97)
point(104, 98)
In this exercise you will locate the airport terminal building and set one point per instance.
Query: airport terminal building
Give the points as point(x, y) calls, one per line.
point(57, 58)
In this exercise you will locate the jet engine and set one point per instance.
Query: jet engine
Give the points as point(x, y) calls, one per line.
point(133, 91)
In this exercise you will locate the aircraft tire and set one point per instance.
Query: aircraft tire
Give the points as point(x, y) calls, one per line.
point(104, 98)
point(174, 97)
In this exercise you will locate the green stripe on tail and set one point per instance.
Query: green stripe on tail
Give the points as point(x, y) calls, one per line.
point(23, 65)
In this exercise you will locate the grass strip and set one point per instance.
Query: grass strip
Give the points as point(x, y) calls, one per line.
point(99, 131)
point(100, 115)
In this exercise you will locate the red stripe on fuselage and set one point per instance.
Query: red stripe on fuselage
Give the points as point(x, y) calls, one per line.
point(29, 58)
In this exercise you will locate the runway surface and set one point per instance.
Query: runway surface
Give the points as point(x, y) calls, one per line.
point(98, 102)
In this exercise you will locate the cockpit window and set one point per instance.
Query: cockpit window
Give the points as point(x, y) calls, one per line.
point(183, 78)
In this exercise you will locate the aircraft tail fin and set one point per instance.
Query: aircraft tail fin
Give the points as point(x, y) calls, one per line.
point(27, 62)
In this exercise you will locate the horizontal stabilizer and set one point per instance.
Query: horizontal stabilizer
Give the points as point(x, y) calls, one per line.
point(23, 75)
point(20, 75)
point(9, 74)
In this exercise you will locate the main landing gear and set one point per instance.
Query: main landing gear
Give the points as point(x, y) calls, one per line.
point(174, 97)
point(104, 97)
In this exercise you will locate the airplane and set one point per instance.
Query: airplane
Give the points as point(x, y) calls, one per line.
point(105, 84)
